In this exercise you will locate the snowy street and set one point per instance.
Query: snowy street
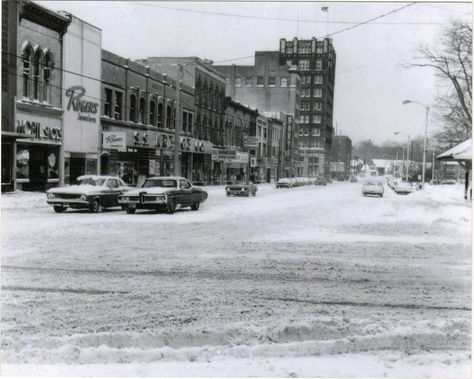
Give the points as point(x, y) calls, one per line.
point(310, 281)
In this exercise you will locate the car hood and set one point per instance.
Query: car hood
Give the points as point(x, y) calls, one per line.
point(79, 189)
point(149, 190)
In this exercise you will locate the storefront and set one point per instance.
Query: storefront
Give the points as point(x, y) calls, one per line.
point(37, 152)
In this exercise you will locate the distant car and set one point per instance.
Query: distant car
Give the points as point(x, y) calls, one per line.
point(372, 188)
point(163, 193)
point(353, 179)
point(93, 192)
point(284, 183)
point(241, 189)
point(320, 181)
point(403, 188)
point(449, 181)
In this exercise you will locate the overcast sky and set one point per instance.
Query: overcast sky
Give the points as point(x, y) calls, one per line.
point(370, 80)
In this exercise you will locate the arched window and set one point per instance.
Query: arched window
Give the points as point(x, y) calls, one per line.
point(133, 108)
point(27, 58)
point(168, 117)
point(142, 110)
point(160, 115)
point(38, 64)
point(48, 67)
point(152, 112)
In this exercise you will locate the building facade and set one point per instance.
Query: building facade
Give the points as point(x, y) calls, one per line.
point(270, 87)
point(209, 89)
point(341, 157)
point(316, 60)
point(32, 131)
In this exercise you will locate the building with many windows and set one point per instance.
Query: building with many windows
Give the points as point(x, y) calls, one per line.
point(270, 87)
point(316, 60)
point(341, 157)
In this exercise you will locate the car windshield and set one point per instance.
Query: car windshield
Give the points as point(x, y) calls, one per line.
point(165, 183)
point(90, 182)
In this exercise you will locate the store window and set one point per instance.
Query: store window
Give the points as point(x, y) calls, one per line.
point(133, 108)
point(22, 163)
point(118, 105)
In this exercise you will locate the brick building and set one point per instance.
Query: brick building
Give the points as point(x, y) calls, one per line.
point(32, 123)
point(209, 87)
point(270, 87)
point(316, 60)
point(341, 157)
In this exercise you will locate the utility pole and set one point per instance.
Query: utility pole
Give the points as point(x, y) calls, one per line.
point(177, 170)
point(433, 167)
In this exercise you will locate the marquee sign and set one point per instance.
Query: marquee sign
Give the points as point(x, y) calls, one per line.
point(251, 141)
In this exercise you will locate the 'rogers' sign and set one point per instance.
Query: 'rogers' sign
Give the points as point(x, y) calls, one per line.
point(75, 94)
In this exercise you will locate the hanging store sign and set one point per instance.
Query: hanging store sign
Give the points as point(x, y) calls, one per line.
point(165, 141)
point(226, 154)
point(251, 141)
point(84, 108)
point(31, 129)
point(114, 140)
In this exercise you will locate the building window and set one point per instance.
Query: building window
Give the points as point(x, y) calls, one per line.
point(317, 106)
point(319, 49)
point(238, 82)
point(316, 132)
point(159, 118)
point(318, 92)
point(303, 64)
point(152, 113)
point(108, 103)
point(118, 106)
point(317, 119)
point(319, 64)
point(133, 108)
point(260, 82)
point(307, 92)
point(37, 75)
point(48, 67)
point(26, 71)
point(306, 119)
point(168, 117)
point(190, 122)
point(227, 81)
point(308, 79)
point(142, 110)
point(271, 81)
point(318, 79)
point(289, 63)
point(184, 121)
point(248, 81)
point(283, 82)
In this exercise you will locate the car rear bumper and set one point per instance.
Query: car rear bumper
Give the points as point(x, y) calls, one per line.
point(71, 203)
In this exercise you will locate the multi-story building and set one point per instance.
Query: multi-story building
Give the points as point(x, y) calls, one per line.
point(270, 87)
point(139, 120)
point(316, 60)
point(341, 157)
point(32, 111)
point(209, 87)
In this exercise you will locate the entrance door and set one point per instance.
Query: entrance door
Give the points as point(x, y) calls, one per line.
point(77, 168)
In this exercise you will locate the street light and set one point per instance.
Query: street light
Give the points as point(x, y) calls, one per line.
point(408, 152)
point(427, 109)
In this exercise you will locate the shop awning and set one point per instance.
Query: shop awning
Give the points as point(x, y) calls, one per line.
point(461, 152)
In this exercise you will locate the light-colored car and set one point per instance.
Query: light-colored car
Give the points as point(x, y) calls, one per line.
point(284, 183)
point(403, 188)
point(163, 192)
point(241, 189)
point(372, 188)
point(93, 192)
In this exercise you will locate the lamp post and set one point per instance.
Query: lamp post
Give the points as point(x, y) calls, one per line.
point(427, 110)
point(408, 152)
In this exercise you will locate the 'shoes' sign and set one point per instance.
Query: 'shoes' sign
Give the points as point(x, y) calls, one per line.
point(76, 102)
point(114, 140)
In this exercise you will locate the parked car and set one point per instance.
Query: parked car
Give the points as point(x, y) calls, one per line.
point(449, 181)
point(403, 188)
point(320, 181)
point(93, 192)
point(241, 189)
point(284, 183)
point(163, 193)
point(353, 179)
point(372, 188)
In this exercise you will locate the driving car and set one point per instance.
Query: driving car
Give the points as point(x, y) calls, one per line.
point(403, 188)
point(163, 193)
point(320, 181)
point(372, 188)
point(92, 192)
point(241, 189)
point(284, 183)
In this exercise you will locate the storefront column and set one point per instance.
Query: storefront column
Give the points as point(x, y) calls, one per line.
point(61, 166)
point(190, 165)
point(14, 183)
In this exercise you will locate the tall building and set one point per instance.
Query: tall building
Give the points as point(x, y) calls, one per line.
point(316, 60)
point(270, 87)
point(341, 157)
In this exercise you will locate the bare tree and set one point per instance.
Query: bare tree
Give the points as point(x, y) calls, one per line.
point(452, 62)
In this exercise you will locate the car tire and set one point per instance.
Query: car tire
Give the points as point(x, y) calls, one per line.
point(95, 206)
point(59, 209)
point(171, 207)
point(195, 206)
point(228, 194)
point(130, 211)
point(254, 193)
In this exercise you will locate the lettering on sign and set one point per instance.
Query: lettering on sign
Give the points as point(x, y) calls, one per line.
point(165, 141)
point(251, 141)
point(34, 130)
point(114, 140)
point(83, 107)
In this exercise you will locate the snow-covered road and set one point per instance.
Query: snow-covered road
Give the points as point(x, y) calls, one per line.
point(310, 281)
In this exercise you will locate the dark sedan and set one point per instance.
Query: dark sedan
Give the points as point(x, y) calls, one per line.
point(241, 189)
point(92, 192)
point(163, 193)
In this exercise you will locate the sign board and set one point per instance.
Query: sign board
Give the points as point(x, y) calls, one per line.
point(253, 162)
point(114, 140)
point(251, 141)
point(226, 154)
point(35, 130)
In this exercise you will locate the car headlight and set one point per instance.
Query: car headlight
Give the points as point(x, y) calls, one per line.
point(243, 189)
point(51, 195)
point(83, 197)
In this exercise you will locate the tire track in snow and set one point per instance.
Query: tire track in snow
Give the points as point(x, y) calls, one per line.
point(65, 290)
